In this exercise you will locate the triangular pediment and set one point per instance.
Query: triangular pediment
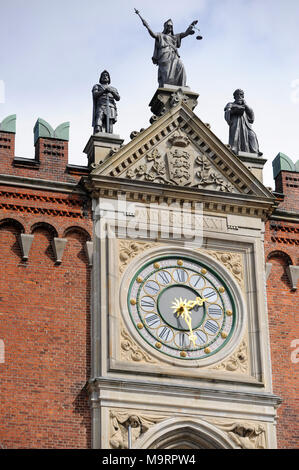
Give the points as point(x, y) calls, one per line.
point(179, 150)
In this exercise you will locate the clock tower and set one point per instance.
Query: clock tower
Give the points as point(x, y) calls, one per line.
point(180, 341)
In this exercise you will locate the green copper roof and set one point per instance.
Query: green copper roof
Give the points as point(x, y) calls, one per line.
point(9, 124)
point(43, 129)
point(283, 163)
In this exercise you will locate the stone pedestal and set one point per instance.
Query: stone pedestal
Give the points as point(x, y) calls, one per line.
point(170, 96)
point(100, 146)
point(254, 163)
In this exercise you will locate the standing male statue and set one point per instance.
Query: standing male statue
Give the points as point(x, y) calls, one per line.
point(171, 70)
point(104, 107)
point(240, 118)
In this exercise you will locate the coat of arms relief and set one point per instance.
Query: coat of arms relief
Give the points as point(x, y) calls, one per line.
point(179, 163)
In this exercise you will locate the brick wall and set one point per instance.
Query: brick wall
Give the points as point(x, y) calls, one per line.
point(287, 182)
point(44, 306)
point(44, 310)
point(282, 250)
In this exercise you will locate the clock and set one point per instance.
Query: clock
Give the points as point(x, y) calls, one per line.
point(181, 307)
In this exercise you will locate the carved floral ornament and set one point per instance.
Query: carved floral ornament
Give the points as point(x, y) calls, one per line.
point(244, 434)
point(180, 165)
point(131, 352)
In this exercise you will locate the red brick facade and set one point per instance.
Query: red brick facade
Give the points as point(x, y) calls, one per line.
point(45, 305)
point(282, 251)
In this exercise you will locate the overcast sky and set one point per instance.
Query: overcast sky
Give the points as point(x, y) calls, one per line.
point(52, 53)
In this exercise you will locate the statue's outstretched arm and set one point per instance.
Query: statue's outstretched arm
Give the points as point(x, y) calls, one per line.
point(189, 30)
point(153, 35)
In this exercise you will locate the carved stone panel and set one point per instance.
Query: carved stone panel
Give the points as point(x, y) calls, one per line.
point(237, 362)
point(131, 352)
point(139, 423)
point(176, 161)
point(245, 434)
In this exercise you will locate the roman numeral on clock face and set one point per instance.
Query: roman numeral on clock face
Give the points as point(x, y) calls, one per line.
point(151, 287)
point(215, 311)
point(182, 340)
point(147, 303)
point(164, 277)
point(153, 321)
point(201, 337)
point(211, 326)
point(180, 275)
point(165, 333)
point(210, 294)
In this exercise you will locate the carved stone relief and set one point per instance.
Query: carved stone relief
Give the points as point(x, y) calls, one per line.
point(245, 434)
point(120, 421)
point(130, 352)
point(128, 249)
point(179, 163)
point(232, 261)
point(237, 362)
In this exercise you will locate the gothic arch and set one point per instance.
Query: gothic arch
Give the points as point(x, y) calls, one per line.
point(184, 433)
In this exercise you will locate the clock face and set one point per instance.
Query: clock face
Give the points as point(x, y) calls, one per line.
point(181, 308)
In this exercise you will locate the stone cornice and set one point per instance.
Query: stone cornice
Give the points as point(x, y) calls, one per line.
point(41, 184)
point(143, 191)
point(96, 385)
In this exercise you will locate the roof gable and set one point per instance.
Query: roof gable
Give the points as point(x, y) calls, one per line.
point(179, 150)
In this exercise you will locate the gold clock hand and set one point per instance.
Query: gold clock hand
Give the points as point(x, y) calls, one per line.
point(181, 309)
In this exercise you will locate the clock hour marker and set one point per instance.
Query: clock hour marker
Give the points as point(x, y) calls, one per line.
point(182, 340)
point(215, 311)
point(163, 277)
point(201, 337)
point(165, 333)
point(156, 265)
point(158, 345)
point(203, 271)
point(180, 275)
point(207, 350)
point(183, 354)
point(210, 294)
point(221, 290)
point(153, 321)
point(139, 326)
point(229, 313)
point(139, 280)
point(151, 287)
point(223, 335)
point(180, 262)
point(133, 302)
point(147, 304)
point(211, 326)
point(197, 281)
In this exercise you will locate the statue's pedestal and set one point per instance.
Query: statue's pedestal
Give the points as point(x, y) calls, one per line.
point(170, 96)
point(100, 146)
point(254, 163)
